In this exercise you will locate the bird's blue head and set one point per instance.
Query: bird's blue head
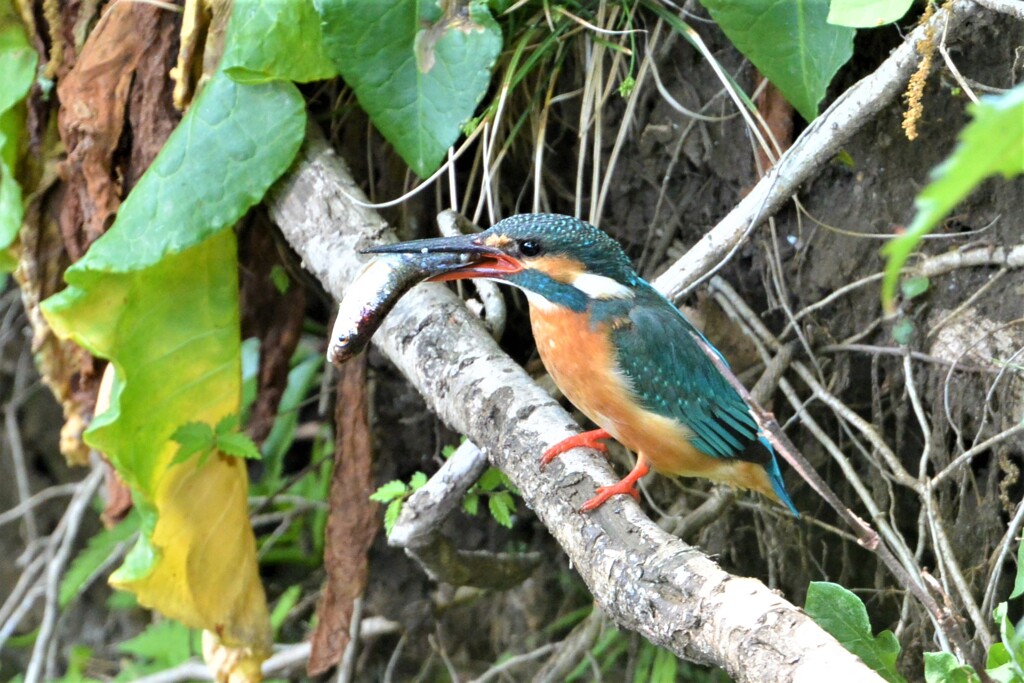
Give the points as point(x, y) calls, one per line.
point(555, 259)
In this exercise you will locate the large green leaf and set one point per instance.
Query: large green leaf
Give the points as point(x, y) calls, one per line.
point(417, 72)
point(234, 142)
point(158, 296)
point(867, 13)
point(17, 70)
point(276, 40)
point(790, 42)
point(172, 332)
point(992, 143)
point(843, 615)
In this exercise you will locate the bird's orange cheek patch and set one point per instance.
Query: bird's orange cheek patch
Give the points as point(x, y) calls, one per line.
point(560, 268)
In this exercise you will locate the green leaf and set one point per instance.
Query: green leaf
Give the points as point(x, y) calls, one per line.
point(417, 480)
point(1018, 583)
point(284, 605)
point(999, 666)
point(279, 276)
point(943, 667)
point(417, 73)
point(165, 643)
point(1006, 659)
point(915, 286)
point(390, 491)
point(490, 479)
point(232, 144)
point(94, 555)
point(18, 65)
point(791, 43)
point(238, 445)
point(270, 40)
point(391, 514)
point(902, 331)
point(867, 13)
point(192, 437)
point(843, 615)
point(471, 503)
point(502, 505)
point(992, 143)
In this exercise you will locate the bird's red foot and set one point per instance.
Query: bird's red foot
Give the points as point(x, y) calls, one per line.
point(626, 486)
point(591, 439)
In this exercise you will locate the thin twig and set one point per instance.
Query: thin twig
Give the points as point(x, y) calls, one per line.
point(64, 540)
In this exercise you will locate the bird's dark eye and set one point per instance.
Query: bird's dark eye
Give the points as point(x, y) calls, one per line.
point(530, 247)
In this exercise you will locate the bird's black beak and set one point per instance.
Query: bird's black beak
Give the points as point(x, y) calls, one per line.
point(481, 259)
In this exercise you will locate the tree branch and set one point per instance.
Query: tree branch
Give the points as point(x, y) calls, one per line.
point(645, 579)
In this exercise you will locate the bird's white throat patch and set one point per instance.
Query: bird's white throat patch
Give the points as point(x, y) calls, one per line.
point(601, 287)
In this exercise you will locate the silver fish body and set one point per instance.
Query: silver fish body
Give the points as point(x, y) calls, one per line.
point(375, 291)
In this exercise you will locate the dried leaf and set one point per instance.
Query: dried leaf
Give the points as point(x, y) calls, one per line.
point(352, 523)
point(94, 97)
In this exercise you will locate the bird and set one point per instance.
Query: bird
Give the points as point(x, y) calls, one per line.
point(624, 355)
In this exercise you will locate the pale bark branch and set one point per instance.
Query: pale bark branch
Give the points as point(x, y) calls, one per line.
point(644, 578)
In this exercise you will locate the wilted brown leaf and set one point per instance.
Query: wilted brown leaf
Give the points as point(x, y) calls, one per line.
point(352, 524)
point(777, 113)
point(94, 99)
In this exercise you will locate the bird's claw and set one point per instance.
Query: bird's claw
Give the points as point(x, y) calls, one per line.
point(591, 439)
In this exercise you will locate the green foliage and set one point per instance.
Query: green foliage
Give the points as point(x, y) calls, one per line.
point(162, 645)
point(200, 438)
point(943, 667)
point(419, 74)
point(1006, 658)
point(914, 286)
point(500, 503)
point(276, 40)
point(1018, 583)
point(394, 494)
point(843, 615)
point(867, 13)
point(284, 605)
point(18, 66)
point(95, 554)
point(791, 43)
point(992, 143)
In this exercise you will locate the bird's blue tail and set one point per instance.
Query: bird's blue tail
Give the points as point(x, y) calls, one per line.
point(775, 477)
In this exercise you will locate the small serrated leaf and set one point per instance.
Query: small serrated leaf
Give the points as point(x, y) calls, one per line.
point(471, 503)
point(193, 435)
point(238, 445)
point(389, 491)
point(391, 514)
point(417, 480)
point(227, 424)
point(502, 506)
point(489, 480)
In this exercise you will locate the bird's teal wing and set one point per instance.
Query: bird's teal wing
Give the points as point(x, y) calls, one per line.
point(659, 352)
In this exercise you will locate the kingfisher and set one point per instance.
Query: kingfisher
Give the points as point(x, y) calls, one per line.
point(620, 352)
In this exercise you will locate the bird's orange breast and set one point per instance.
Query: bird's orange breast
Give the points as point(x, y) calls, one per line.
point(581, 360)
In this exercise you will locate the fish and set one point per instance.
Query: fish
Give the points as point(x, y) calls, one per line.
point(375, 291)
